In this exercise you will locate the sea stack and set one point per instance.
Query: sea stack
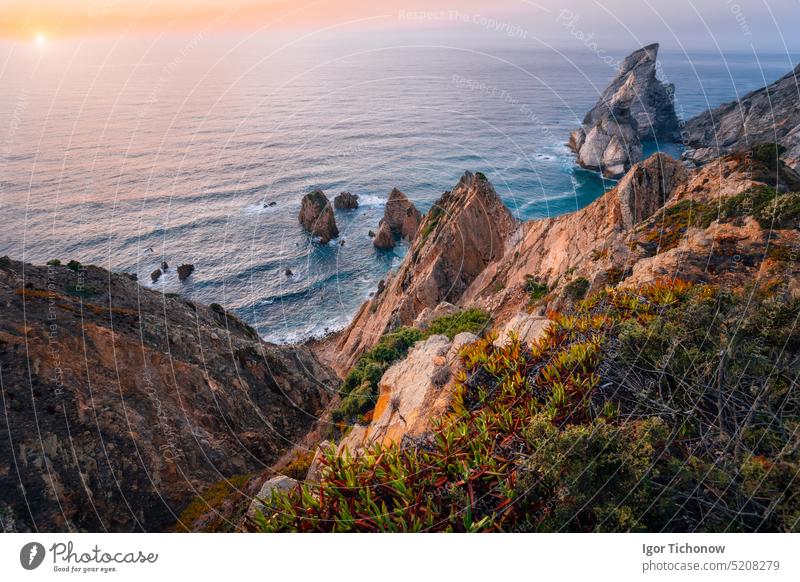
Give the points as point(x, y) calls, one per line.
point(635, 107)
point(346, 201)
point(400, 219)
point(401, 215)
point(316, 216)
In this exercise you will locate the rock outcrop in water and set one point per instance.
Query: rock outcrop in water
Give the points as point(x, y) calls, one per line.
point(120, 403)
point(346, 201)
point(766, 116)
point(400, 219)
point(384, 239)
point(401, 215)
point(636, 106)
point(316, 216)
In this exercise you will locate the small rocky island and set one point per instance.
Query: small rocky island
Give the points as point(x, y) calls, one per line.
point(400, 219)
point(316, 216)
point(635, 107)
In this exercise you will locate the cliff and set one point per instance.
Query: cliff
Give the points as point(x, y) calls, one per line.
point(120, 403)
point(766, 116)
point(467, 229)
point(656, 396)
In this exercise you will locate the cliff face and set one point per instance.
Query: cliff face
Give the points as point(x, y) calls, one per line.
point(119, 403)
point(466, 230)
point(659, 221)
point(636, 106)
point(768, 115)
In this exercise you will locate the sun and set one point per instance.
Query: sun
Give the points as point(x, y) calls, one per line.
point(41, 39)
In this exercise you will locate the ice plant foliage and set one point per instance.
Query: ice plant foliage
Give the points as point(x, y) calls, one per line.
point(619, 418)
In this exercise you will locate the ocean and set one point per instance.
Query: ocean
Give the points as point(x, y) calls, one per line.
point(124, 154)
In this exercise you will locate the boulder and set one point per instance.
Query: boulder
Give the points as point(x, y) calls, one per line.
point(184, 271)
point(528, 328)
point(636, 106)
point(413, 393)
point(346, 201)
point(155, 275)
point(258, 505)
point(164, 265)
point(316, 216)
point(648, 187)
point(384, 239)
point(427, 315)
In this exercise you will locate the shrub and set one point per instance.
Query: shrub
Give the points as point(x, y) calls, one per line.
point(5, 261)
point(83, 290)
point(472, 320)
point(298, 467)
point(53, 263)
point(577, 288)
point(535, 288)
point(217, 508)
point(74, 265)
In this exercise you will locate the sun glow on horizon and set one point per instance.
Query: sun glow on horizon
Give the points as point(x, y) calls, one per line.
point(41, 38)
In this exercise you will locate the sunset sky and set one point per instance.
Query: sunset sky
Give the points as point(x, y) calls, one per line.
point(768, 23)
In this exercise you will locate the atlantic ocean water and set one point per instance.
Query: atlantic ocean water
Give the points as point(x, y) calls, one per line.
point(124, 154)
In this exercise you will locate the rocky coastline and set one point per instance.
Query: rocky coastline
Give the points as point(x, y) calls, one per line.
point(494, 348)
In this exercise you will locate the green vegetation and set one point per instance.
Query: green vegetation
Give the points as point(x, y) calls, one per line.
point(481, 176)
point(360, 387)
point(54, 263)
point(5, 261)
point(172, 295)
point(577, 288)
point(614, 275)
point(298, 467)
point(318, 198)
point(671, 407)
point(434, 216)
point(471, 320)
point(771, 210)
point(83, 290)
point(535, 288)
point(74, 265)
point(218, 508)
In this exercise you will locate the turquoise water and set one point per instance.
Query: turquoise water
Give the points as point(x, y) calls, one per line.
point(125, 155)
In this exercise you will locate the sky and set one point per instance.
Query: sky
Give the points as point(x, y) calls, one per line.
point(610, 24)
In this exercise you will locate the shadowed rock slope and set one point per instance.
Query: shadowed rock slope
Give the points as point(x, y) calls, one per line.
point(120, 403)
